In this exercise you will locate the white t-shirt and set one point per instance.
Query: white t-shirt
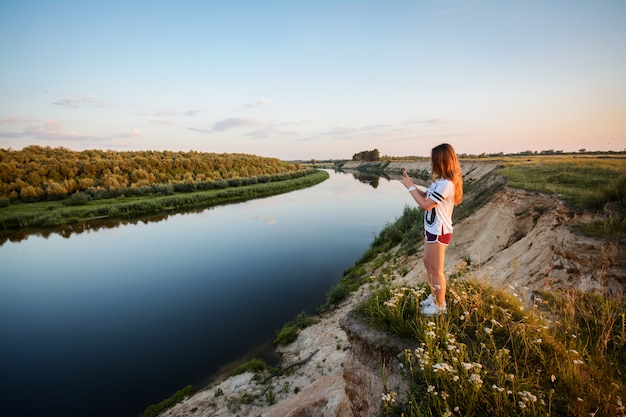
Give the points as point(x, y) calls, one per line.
point(438, 220)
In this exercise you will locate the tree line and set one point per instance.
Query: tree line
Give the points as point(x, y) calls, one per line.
point(38, 173)
point(367, 156)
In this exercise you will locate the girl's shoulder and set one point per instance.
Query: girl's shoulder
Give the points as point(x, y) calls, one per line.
point(442, 185)
point(442, 181)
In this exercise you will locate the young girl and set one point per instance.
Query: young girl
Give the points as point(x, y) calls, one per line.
point(438, 203)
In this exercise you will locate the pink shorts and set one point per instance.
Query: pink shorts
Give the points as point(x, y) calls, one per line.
point(442, 239)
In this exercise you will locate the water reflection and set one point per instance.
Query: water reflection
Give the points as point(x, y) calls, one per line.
point(121, 314)
point(366, 178)
point(92, 225)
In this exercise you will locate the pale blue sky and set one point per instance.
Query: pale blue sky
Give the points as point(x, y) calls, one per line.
point(314, 79)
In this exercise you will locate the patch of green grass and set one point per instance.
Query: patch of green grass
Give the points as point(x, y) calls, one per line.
point(253, 365)
point(585, 183)
point(290, 330)
point(156, 409)
point(490, 356)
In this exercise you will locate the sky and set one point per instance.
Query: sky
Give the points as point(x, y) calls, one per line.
point(314, 79)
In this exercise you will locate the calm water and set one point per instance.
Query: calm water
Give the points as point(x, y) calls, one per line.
point(107, 322)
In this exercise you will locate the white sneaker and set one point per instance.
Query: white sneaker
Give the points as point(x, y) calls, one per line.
point(428, 301)
point(433, 309)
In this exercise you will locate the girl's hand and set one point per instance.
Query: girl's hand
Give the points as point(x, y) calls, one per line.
point(406, 180)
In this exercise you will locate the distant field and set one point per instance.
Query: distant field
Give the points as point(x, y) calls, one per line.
point(584, 182)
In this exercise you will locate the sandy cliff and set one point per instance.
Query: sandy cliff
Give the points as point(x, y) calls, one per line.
point(518, 238)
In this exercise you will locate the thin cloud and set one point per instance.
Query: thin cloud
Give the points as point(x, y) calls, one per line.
point(261, 128)
point(163, 117)
point(165, 114)
point(52, 130)
point(15, 120)
point(160, 121)
point(194, 129)
point(75, 103)
point(270, 131)
point(437, 121)
point(235, 122)
point(258, 103)
point(132, 134)
point(358, 131)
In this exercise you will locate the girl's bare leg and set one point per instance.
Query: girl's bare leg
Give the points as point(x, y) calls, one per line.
point(434, 254)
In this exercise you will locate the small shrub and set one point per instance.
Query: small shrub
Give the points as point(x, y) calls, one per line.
point(253, 365)
point(156, 409)
point(77, 199)
point(290, 330)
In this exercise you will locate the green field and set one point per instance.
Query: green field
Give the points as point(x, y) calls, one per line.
point(591, 183)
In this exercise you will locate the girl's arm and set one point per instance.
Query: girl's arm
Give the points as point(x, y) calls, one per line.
point(418, 195)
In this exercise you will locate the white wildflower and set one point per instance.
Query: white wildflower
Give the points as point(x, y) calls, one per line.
point(476, 379)
point(443, 366)
point(389, 398)
point(488, 330)
point(527, 396)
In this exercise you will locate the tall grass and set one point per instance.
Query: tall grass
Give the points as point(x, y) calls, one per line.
point(490, 356)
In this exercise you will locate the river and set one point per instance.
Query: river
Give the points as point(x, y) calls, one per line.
point(108, 321)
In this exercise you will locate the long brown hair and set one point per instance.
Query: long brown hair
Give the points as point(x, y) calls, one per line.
point(446, 165)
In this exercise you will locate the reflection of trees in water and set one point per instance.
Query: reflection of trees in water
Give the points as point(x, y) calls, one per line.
point(94, 225)
point(369, 178)
point(366, 178)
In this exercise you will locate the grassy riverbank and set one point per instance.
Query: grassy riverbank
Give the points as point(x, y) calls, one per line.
point(55, 213)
